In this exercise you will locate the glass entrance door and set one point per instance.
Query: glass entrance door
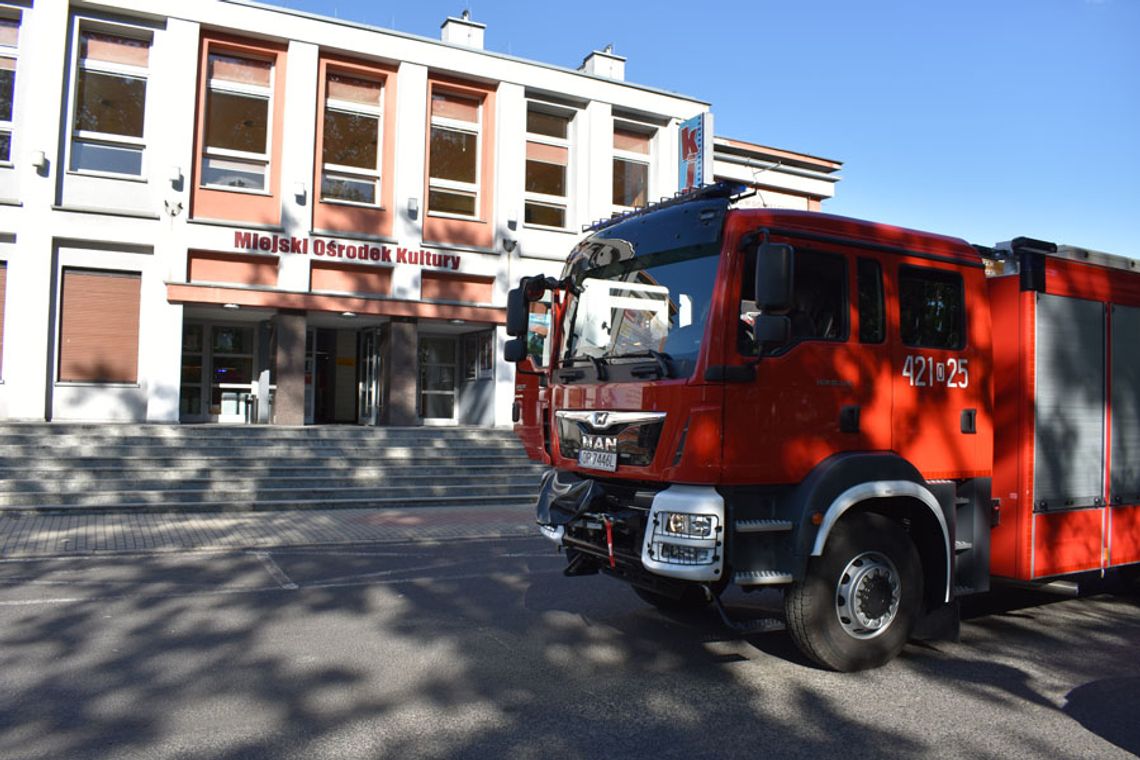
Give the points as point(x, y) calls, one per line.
point(437, 359)
point(231, 372)
point(368, 377)
point(217, 373)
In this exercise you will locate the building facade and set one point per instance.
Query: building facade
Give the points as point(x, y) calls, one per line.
point(224, 211)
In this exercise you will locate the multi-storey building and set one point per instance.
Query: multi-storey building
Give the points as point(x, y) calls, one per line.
point(226, 211)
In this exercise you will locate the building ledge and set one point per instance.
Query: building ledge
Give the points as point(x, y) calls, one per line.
point(379, 306)
point(125, 213)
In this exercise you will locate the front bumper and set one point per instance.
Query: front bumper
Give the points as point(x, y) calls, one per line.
point(620, 524)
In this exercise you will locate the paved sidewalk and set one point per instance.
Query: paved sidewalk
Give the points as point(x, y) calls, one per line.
point(30, 535)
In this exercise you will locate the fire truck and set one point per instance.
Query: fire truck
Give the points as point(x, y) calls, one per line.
point(874, 420)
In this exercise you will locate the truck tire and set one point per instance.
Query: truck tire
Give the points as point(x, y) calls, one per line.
point(858, 602)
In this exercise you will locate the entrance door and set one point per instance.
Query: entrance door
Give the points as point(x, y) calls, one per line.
point(437, 359)
point(368, 377)
point(217, 372)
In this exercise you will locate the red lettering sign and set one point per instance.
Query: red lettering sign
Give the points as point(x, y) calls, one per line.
point(689, 147)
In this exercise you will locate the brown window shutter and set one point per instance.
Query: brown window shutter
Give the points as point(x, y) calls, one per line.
point(99, 326)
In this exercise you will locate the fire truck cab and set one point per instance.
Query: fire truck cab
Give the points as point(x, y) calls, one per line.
point(771, 398)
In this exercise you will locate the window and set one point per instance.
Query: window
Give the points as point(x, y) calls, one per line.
point(99, 326)
point(237, 136)
point(9, 37)
point(819, 300)
point(478, 355)
point(631, 168)
point(819, 306)
point(547, 163)
point(931, 308)
point(352, 139)
point(110, 104)
point(871, 316)
point(453, 173)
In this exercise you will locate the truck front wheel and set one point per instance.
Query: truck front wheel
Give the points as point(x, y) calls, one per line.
point(859, 601)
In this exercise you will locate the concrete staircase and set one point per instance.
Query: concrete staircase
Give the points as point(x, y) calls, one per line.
point(212, 468)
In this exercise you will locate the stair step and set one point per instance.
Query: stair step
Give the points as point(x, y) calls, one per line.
point(82, 467)
point(265, 506)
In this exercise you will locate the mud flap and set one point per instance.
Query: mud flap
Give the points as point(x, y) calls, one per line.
point(943, 623)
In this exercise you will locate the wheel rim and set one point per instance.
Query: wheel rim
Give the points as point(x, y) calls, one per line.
point(867, 595)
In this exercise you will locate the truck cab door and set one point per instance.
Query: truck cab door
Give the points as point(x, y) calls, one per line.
point(941, 412)
point(827, 391)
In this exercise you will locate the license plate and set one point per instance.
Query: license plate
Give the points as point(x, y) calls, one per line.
point(598, 460)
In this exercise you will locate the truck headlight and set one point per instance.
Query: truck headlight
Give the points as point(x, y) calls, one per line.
point(688, 526)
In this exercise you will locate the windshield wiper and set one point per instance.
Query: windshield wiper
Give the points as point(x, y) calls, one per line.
point(598, 362)
point(661, 360)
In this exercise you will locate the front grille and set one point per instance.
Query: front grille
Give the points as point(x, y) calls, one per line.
point(636, 442)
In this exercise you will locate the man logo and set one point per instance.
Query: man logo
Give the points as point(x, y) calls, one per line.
point(598, 419)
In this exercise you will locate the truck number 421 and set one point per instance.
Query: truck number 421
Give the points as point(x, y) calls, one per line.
point(924, 372)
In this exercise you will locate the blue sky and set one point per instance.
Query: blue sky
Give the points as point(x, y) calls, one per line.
point(980, 119)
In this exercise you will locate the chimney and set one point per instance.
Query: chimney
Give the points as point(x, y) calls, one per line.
point(463, 31)
point(603, 63)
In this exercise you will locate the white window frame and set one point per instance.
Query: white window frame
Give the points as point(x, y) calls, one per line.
point(115, 69)
point(13, 53)
point(471, 128)
point(645, 159)
point(352, 107)
point(228, 87)
point(542, 199)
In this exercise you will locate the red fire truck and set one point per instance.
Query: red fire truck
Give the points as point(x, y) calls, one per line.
point(874, 420)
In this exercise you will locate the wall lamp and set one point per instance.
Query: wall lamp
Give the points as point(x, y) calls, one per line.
point(413, 207)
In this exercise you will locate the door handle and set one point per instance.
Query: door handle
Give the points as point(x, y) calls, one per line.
point(849, 419)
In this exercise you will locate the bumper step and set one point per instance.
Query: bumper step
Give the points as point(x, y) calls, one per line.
point(763, 526)
point(762, 578)
point(746, 627)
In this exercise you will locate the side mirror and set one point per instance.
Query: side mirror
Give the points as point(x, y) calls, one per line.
point(517, 313)
point(771, 331)
point(774, 277)
point(515, 350)
point(530, 289)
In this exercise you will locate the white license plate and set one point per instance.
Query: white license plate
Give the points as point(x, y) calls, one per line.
point(598, 460)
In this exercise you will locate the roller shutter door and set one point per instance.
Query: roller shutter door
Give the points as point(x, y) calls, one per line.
point(1069, 415)
point(99, 326)
point(3, 300)
point(1125, 462)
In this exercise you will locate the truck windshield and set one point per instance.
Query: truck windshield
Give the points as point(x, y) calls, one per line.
point(637, 307)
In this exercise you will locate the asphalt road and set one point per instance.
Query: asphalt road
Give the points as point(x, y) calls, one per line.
point(480, 648)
